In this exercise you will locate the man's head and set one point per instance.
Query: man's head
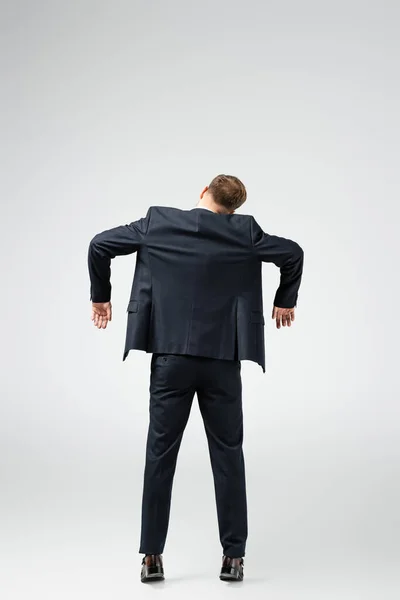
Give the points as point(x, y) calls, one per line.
point(225, 194)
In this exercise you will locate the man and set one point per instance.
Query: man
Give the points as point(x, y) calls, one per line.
point(196, 305)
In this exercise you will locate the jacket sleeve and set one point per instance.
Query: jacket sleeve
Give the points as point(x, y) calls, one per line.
point(285, 254)
point(118, 241)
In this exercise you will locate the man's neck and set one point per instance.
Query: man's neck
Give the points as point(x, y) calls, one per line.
point(210, 205)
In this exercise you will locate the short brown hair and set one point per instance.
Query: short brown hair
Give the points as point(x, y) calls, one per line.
point(228, 191)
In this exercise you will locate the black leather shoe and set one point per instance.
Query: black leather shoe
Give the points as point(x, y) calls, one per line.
point(232, 569)
point(152, 568)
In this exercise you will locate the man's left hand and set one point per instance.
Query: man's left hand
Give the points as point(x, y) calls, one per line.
point(101, 314)
point(283, 316)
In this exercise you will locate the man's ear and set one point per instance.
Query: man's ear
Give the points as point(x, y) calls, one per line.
point(203, 192)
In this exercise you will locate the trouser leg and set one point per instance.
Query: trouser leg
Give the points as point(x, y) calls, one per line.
point(220, 401)
point(171, 396)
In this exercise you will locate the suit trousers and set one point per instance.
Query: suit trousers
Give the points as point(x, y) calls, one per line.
point(174, 380)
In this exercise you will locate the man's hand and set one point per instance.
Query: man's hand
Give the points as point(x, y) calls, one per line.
point(101, 314)
point(283, 316)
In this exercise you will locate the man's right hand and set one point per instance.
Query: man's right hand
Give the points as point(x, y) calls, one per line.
point(101, 314)
point(283, 316)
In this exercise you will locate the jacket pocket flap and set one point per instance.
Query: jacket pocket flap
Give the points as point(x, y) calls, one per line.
point(133, 306)
point(256, 316)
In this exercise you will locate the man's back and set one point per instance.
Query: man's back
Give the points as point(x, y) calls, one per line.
point(197, 285)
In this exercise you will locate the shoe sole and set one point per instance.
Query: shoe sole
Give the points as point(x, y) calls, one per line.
point(231, 577)
point(152, 578)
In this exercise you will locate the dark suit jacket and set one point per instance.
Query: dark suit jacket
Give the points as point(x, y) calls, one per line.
point(197, 284)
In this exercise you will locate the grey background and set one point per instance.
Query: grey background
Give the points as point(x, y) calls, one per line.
point(107, 108)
